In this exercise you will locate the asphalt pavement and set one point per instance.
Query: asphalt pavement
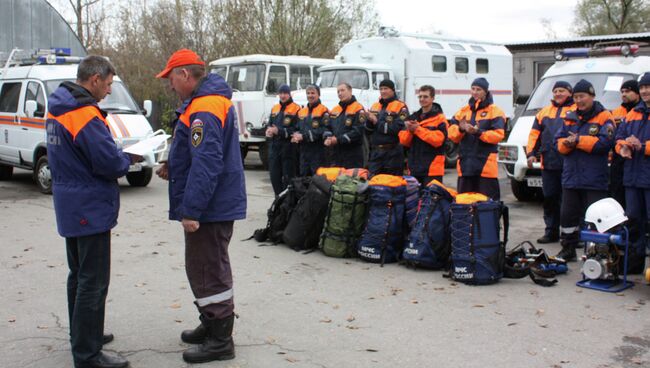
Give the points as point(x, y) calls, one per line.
point(303, 310)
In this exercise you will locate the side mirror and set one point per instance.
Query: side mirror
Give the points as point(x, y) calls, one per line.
point(148, 108)
point(30, 108)
point(271, 88)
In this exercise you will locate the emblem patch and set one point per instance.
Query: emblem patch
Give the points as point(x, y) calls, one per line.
point(403, 115)
point(484, 114)
point(314, 124)
point(287, 121)
point(326, 119)
point(348, 122)
point(362, 118)
point(196, 134)
point(593, 129)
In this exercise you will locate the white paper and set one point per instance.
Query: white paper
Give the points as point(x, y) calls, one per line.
point(613, 83)
point(147, 145)
point(242, 75)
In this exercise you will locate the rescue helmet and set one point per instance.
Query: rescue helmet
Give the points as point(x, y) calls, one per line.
point(605, 214)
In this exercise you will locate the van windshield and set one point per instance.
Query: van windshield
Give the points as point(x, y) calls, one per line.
point(356, 78)
point(246, 77)
point(607, 86)
point(119, 100)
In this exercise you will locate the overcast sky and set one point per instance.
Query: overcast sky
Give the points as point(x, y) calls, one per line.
point(499, 21)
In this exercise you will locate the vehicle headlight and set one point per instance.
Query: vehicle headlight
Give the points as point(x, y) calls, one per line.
point(249, 127)
point(508, 153)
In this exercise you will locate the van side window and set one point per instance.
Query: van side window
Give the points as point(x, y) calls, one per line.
point(35, 92)
point(9, 97)
point(277, 77)
point(482, 66)
point(456, 46)
point(434, 45)
point(377, 77)
point(478, 48)
point(462, 65)
point(439, 63)
point(299, 77)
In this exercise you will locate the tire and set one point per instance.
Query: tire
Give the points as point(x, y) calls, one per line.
point(6, 172)
point(522, 191)
point(264, 154)
point(43, 176)
point(451, 154)
point(243, 148)
point(140, 178)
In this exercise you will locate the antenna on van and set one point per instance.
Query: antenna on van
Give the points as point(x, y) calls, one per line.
point(386, 32)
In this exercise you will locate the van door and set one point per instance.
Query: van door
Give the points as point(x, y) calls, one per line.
point(32, 133)
point(9, 139)
point(277, 76)
point(299, 77)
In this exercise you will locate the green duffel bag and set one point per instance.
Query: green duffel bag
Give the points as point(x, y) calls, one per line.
point(346, 217)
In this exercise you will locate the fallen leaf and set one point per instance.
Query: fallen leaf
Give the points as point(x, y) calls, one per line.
point(539, 313)
point(325, 320)
point(414, 301)
point(439, 289)
point(178, 320)
point(350, 327)
point(350, 318)
point(291, 360)
point(11, 320)
point(336, 306)
point(620, 294)
point(543, 326)
point(532, 353)
point(270, 340)
point(372, 350)
point(478, 306)
point(512, 324)
point(640, 302)
point(175, 306)
point(41, 327)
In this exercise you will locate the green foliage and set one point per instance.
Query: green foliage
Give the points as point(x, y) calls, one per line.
point(601, 17)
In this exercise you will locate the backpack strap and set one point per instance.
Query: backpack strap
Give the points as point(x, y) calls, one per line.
point(505, 214)
point(384, 241)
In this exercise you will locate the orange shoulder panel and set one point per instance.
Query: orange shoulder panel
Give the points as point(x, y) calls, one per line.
point(276, 108)
point(633, 116)
point(336, 110)
point(292, 109)
point(75, 120)
point(303, 112)
point(376, 107)
point(602, 118)
point(319, 111)
point(395, 106)
point(213, 104)
point(354, 108)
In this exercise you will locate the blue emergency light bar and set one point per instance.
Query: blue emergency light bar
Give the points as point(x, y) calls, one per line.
point(625, 50)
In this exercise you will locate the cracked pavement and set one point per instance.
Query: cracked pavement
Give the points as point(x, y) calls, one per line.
point(302, 310)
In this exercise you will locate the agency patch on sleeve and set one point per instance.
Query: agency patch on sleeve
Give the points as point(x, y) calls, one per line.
point(610, 131)
point(594, 129)
point(196, 132)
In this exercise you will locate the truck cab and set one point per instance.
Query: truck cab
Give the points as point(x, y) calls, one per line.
point(605, 73)
point(26, 83)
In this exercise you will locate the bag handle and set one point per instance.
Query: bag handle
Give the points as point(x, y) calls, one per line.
point(505, 214)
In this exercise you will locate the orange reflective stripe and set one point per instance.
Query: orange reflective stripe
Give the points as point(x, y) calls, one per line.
point(533, 136)
point(647, 148)
point(492, 136)
point(405, 138)
point(436, 138)
point(562, 148)
point(213, 104)
point(331, 173)
point(353, 108)
point(386, 180)
point(276, 108)
point(75, 120)
point(437, 167)
point(491, 168)
point(587, 143)
point(455, 134)
point(470, 198)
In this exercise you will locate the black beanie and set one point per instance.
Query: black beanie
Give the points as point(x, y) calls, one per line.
point(562, 84)
point(632, 85)
point(387, 83)
point(645, 80)
point(481, 83)
point(584, 87)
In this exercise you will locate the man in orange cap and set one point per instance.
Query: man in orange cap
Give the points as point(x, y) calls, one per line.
point(207, 194)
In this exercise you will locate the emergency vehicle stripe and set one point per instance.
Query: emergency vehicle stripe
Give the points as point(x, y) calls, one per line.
point(25, 122)
point(75, 120)
point(215, 299)
point(121, 125)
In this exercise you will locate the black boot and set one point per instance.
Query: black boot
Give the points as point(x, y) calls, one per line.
point(548, 238)
point(197, 335)
point(218, 344)
point(108, 337)
point(568, 253)
point(108, 360)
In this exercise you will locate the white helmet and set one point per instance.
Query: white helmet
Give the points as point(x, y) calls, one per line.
point(605, 214)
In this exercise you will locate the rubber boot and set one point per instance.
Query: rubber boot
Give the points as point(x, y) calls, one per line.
point(197, 335)
point(218, 344)
point(548, 238)
point(568, 253)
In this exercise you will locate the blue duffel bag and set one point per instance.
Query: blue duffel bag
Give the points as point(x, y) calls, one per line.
point(477, 253)
point(383, 238)
point(428, 244)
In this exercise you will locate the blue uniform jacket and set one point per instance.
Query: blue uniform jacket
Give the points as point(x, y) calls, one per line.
point(585, 166)
point(636, 170)
point(206, 174)
point(85, 163)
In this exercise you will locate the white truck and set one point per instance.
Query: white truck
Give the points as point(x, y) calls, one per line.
point(255, 80)
point(413, 60)
point(605, 73)
point(26, 81)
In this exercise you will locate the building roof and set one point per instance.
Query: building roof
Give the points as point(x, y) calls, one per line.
point(576, 42)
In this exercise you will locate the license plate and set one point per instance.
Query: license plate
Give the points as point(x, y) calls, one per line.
point(534, 182)
point(135, 167)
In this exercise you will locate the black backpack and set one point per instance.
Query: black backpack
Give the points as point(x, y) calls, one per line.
point(307, 219)
point(281, 209)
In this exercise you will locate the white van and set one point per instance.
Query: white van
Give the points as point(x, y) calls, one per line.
point(605, 73)
point(255, 80)
point(23, 109)
point(413, 60)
